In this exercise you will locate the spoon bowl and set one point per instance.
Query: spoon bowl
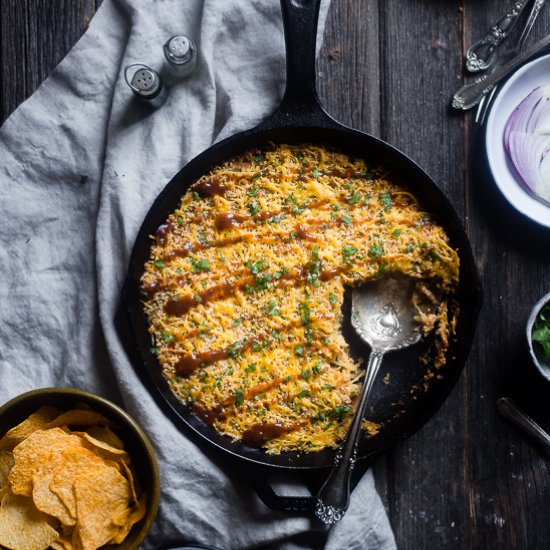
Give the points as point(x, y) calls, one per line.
point(383, 315)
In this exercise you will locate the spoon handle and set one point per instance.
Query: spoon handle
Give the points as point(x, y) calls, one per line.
point(333, 497)
point(470, 94)
point(481, 55)
point(509, 410)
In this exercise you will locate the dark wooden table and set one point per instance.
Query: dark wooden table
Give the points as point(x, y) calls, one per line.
point(467, 479)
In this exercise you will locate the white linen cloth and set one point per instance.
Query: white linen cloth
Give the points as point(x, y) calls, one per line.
point(81, 162)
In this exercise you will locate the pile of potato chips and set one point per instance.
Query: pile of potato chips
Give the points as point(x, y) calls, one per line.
point(65, 489)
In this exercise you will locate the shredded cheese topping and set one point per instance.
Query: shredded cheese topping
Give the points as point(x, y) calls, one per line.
point(245, 283)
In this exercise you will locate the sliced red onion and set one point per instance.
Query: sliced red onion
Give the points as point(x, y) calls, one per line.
point(527, 142)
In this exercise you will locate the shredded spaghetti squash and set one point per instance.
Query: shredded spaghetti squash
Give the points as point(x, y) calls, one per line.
point(244, 287)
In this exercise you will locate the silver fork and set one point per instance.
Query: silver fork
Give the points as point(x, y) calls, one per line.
point(505, 56)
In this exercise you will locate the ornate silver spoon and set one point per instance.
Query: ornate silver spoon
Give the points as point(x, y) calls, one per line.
point(382, 314)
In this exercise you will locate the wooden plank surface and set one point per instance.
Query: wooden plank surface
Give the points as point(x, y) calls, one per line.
point(466, 479)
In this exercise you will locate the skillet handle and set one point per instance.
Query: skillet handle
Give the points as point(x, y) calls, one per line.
point(300, 105)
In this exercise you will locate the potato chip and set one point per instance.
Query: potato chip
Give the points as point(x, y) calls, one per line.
point(78, 461)
point(36, 451)
point(98, 499)
point(63, 543)
point(78, 417)
point(6, 464)
point(49, 502)
point(137, 514)
point(35, 421)
point(102, 448)
point(22, 526)
point(130, 477)
point(105, 434)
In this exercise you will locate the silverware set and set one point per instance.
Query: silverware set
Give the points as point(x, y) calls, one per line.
point(497, 54)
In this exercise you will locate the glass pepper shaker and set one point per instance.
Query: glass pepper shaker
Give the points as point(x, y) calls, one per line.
point(180, 54)
point(146, 84)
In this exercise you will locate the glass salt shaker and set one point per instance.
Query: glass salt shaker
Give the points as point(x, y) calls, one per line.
point(146, 84)
point(180, 54)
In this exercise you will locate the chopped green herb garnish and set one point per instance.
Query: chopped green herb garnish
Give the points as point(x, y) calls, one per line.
point(299, 350)
point(348, 251)
point(332, 298)
point(541, 330)
point(167, 337)
point(346, 219)
point(354, 198)
point(236, 322)
point(160, 264)
point(256, 346)
point(239, 397)
point(397, 232)
point(196, 196)
point(386, 201)
point(376, 251)
point(257, 158)
point(304, 393)
point(422, 221)
point(200, 265)
point(255, 267)
point(154, 351)
point(316, 173)
point(253, 207)
point(180, 220)
point(306, 374)
point(252, 367)
point(317, 367)
point(341, 412)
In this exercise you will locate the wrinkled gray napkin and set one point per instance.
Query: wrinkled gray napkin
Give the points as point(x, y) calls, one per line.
point(82, 161)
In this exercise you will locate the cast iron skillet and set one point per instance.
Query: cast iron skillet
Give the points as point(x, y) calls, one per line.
point(403, 404)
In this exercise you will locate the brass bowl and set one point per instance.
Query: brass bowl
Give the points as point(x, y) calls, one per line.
point(135, 441)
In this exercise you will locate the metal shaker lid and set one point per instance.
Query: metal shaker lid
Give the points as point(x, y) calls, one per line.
point(178, 50)
point(145, 82)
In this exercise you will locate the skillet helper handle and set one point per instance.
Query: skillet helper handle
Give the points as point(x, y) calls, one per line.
point(293, 504)
point(260, 479)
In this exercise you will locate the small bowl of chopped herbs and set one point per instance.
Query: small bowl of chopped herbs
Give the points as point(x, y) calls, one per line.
point(538, 335)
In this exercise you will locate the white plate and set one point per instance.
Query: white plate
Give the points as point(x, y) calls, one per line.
point(517, 87)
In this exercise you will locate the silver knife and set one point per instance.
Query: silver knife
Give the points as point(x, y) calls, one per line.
point(470, 94)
